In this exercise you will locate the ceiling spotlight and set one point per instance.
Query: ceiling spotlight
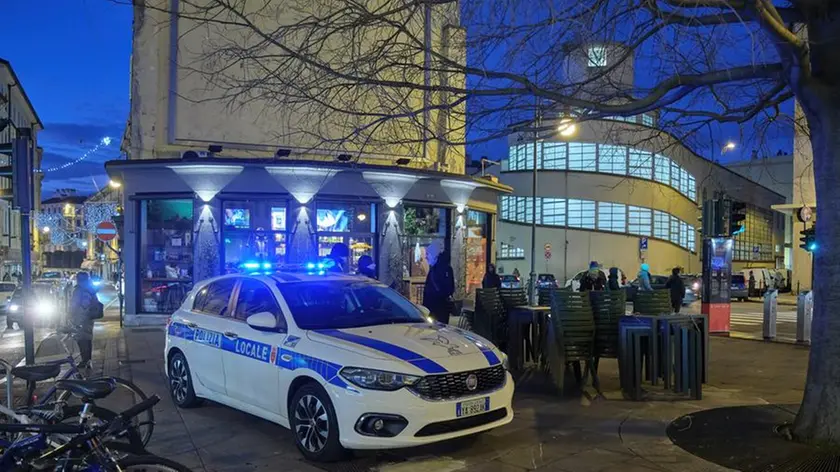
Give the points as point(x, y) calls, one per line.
point(403, 161)
point(281, 153)
point(215, 148)
point(344, 158)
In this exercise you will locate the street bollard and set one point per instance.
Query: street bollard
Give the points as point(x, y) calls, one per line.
point(769, 324)
point(804, 315)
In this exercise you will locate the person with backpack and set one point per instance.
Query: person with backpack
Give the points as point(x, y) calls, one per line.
point(85, 307)
point(677, 288)
point(593, 279)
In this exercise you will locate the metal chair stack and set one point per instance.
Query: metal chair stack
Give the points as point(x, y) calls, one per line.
point(490, 318)
point(607, 309)
point(571, 334)
point(653, 303)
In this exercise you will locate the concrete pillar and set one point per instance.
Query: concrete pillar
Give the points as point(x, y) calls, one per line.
point(207, 244)
point(390, 264)
point(459, 252)
point(301, 246)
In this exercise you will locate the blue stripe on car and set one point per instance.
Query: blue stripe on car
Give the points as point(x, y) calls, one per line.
point(426, 365)
point(491, 356)
point(260, 352)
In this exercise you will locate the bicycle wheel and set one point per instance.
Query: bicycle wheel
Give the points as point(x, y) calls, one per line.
point(129, 443)
point(150, 463)
point(124, 397)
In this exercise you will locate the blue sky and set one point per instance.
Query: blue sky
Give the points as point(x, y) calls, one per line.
point(72, 58)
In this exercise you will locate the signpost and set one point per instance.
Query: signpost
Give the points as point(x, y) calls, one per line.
point(547, 251)
point(106, 231)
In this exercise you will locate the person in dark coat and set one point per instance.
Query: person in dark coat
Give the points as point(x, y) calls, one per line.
point(82, 303)
point(593, 279)
point(439, 288)
point(677, 287)
point(339, 254)
point(491, 278)
point(366, 266)
point(751, 286)
point(612, 280)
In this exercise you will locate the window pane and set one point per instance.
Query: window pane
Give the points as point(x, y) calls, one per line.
point(639, 220)
point(691, 241)
point(214, 298)
point(554, 211)
point(641, 164)
point(581, 214)
point(612, 159)
point(684, 229)
point(424, 221)
point(647, 120)
point(676, 176)
point(166, 254)
point(663, 170)
point(508, 251)
point(661, 229)
point(554, 156)
point(254, 297)
point(278, 218)
point(612, 217)
point(675, 229)
point(529, 209)
point(596, 56)
point(582, 157)
point(692, 188)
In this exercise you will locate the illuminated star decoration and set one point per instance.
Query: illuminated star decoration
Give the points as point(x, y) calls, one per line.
point(104, 142)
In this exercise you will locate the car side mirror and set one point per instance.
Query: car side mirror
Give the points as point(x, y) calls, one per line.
point(262, 321)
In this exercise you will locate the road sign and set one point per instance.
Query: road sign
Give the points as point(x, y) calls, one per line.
point(643, 243)
point(547, 251)
point(106, 231)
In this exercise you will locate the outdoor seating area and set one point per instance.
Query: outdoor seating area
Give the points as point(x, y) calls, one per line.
point(566, 339)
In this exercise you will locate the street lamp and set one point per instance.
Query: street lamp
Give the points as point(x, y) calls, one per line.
point(730, 146)
point(114, 184)
point(45, 229)
point(566, 128)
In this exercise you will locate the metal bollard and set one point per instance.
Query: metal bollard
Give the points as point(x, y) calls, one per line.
point(804, 315)
point(769, 323)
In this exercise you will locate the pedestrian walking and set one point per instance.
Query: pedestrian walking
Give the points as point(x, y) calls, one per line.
point(491, 278)
point(440, 284)
point(593, 279)
point(612, 280)
point(677, 287)
point(84, 309)
point(644, 278)
point(751, 285)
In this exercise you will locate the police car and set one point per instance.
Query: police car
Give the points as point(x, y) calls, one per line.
point(342, 361)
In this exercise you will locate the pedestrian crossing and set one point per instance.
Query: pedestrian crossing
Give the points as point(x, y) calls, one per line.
point(757, 318)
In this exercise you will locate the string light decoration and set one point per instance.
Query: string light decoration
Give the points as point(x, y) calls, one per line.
point(96, 213)
point(104, 142)
point(59, 229)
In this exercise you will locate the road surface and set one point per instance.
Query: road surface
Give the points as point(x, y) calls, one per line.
point(747, 319)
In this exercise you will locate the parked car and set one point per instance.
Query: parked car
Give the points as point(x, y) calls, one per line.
point(693, 284)
point(511, 281)
point(6, 291)
point(657, 282)
point(574, 282)
point(738, 288)
point(44, 305)
point(547, 281)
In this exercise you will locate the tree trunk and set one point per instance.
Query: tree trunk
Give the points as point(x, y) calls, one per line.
point(818, 420)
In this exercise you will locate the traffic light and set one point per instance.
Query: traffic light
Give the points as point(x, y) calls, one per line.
point(737, 215)
point(809, 239)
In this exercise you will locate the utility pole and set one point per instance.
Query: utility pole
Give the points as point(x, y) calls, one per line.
point(532, 277)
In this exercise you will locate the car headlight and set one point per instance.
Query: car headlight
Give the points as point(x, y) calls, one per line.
point(377, 379)
point(696, 286)
point(45, 308)
point(505, 361)
point(14, 307)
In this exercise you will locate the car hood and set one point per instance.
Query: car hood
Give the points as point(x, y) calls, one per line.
point(432, 348)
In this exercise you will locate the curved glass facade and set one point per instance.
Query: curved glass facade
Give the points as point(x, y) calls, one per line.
point(602, 216)
point(602, 158)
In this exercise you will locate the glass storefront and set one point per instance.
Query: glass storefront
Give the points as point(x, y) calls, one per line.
point(477, 249)
point(351, 224)
point(254, 230)
point(166, 254)
point(422, 226)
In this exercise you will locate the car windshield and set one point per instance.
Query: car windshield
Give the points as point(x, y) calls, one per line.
point(737, 279)
point(546, 278)
point(346, 304)
point(51, 275)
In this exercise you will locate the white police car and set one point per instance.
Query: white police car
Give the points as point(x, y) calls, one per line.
point(342, 361)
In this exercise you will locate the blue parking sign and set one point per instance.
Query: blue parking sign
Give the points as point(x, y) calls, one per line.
point(643, 244)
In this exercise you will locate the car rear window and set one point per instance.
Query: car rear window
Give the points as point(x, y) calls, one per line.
point(7, 287)
point(346, 304)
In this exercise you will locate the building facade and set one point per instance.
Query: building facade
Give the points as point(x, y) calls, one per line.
point(61, 223)
point(208, 189)
point(620, 191)
point(16, 112)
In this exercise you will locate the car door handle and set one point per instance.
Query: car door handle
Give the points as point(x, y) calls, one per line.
point(231, 335)
point(190, 324)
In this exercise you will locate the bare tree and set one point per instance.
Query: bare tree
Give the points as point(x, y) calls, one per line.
point(424, 75)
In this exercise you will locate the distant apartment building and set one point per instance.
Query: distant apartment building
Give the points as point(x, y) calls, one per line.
point(64, 239)
point(16, 113)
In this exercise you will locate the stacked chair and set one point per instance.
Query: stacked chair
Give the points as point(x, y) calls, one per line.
point(571, 335)
point(654, 303)
point(490, 318)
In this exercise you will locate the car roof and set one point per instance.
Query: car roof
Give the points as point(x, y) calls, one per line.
point(283, 277)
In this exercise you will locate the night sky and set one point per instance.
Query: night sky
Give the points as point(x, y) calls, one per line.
point(72, 57)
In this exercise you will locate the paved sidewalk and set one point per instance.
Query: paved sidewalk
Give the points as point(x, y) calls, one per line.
point(548, 433)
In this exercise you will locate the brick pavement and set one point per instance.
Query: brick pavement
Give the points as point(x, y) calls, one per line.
point(548, 433)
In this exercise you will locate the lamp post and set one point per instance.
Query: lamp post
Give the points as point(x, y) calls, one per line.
point(567, 128)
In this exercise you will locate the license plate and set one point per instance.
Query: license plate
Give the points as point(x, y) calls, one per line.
point(472, 407)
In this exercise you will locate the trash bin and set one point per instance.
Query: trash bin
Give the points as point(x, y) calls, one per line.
point(804, 315)
point(770, 307)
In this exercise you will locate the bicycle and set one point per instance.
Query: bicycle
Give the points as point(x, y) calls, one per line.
point(88, 449)
point(54, 406)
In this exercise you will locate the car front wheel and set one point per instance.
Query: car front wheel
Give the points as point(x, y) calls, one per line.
point(180, 382)
point(314, 425)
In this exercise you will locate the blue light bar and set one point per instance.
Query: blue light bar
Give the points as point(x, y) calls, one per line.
point(266, 265)
point(310, 265)
point(251, 265)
